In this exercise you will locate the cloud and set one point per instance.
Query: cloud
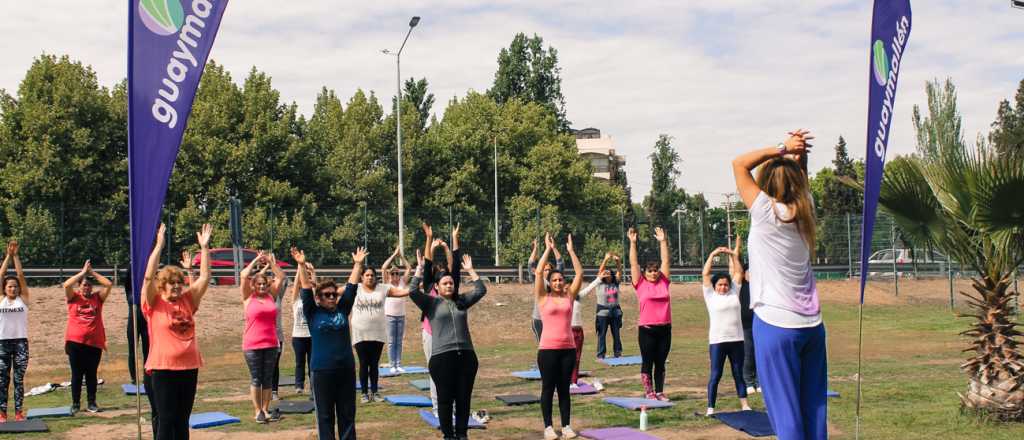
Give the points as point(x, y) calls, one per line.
point(720, 77)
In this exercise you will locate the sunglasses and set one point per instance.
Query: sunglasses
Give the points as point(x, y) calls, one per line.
point(329, 295)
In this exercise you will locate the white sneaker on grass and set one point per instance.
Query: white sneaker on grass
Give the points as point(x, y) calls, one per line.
point(549, 434)
point(751, 390)
point(568, 433)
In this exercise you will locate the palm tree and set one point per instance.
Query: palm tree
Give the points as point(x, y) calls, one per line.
point(970, 205)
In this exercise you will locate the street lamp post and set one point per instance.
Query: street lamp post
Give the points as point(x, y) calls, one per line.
point(679, 233)
point(398, 130)
point(496, 242)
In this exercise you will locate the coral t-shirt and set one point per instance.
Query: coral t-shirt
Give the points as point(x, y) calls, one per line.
point(172, 334)
point(556, 313)
point(655, 304)
point(85, 321)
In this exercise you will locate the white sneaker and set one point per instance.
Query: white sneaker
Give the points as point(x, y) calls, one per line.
point(549, 434)
point(568, 433)
point(400, 369)
point(751, 390)
point(759, 390)
point(573, 386)
point(711, 411)
point(598, 385)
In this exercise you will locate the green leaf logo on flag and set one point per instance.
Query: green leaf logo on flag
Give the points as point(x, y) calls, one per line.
point(162, 17)
point(881, 63)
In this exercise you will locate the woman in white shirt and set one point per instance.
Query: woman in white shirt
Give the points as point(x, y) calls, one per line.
point(13, 334)
point(790, 349)
point(725, 333)
point(394, 309)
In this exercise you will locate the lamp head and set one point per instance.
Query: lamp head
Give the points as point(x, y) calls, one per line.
point(414, 21)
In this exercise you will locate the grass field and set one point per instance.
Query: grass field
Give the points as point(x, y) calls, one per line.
point(911, 376)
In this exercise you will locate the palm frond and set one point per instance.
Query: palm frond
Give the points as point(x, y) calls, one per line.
point(906, 195)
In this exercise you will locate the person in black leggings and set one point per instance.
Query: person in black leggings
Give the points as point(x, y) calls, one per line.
point(453, 362)
point(655, 320)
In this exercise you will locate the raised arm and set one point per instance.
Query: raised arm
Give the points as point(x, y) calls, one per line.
point(479, 290)
point(634, 265)
point(538, 273)
point(449, 258)
point(743, 165)
point(408, 271)
point(203, 282)
point(357, 265)
point(666, 257)
point(736, 265)
point(387, 264)
point(70, 283)
point(577, 268)
point(7, 259)
point(103, 281)
point(706, 273)
point(455, 240)
point(186, 263)
point(279, 276)
point(604, 264)
point(301, 278)
point(559, 262)
point(246, 273)
point(149, 291)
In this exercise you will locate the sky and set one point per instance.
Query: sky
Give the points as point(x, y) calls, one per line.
point(719, 77)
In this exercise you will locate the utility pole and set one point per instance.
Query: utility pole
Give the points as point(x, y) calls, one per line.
point(728, 219)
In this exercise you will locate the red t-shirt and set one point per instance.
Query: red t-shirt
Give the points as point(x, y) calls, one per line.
point(85, 321)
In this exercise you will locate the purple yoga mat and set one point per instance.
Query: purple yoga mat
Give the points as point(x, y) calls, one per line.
point(616, 434)
point(583, 388)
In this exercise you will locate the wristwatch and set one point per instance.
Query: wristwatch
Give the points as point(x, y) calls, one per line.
point(781, 148)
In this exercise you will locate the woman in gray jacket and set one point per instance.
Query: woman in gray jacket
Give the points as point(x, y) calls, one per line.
point(453, 363)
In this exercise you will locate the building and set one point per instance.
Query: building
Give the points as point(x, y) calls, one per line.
point(600, 151)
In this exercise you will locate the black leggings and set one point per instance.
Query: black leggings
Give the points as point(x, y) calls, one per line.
point(369, 360)
point(454, 373)
point(143, 335)
point(655, 342)
point(718, 353)
point(303, 349)
point(174, 392)
point(556, 373)
point(261, 363)
point(334, 392)
point(84, 360)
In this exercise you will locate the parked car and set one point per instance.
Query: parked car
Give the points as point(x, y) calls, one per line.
point(904, 256)
point(223, 258)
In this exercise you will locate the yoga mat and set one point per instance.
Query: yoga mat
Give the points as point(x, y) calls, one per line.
point(129, 389)
point(415, 370)
point(386, 372)
point(754, 423)
point(634, 403)
point(420, 384)
point(831, 393)
point(616, 434)
point(61, 411)
point(528, 375)
point(210, 419)
point(625, 360)
point(518, 399)
point(428, 417)
point(286, 381)
point(409, 400)
point(32, 425)
point(295, 406)
point(583, 388)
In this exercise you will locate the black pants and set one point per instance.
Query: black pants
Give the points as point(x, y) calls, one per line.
point(454, 373)
point(749, 364)
point(334, 392)
point(614, 322)
point(277, 365)
point(84, 360)
point(303, 348)
point(655, 342)
point(174, 392)
point(143, 334)
point(556, 373)
point(369, 361)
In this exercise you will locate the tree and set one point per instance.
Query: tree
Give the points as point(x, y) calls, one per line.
point(1007, 135)
point(836, 201)
point(529, 72)
point(940, 128)
point(415, 92)
point(665, 196)
point(970, 204)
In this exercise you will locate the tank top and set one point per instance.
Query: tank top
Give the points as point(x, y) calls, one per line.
point(367, 319)
point(556, 313)
point(85, 321)
point(172, 334)
point(300, 328)
point(260, 323)
point(13, 318)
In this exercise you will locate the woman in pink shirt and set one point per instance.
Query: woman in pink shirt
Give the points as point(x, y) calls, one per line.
point(85, 338)
point(655, 320)
point(556, 353)
point(259, 341)
point(174, 358)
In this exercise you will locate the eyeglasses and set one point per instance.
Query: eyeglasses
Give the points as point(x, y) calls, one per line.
point(329, 295)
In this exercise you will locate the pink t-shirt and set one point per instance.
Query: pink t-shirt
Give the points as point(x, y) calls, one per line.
point(655, 304)
point(426, 322)
point(172, 334)
point(260, 323)
point(556, 314)
point(85, 321)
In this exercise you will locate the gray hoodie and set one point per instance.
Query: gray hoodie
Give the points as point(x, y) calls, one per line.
point(448, 318)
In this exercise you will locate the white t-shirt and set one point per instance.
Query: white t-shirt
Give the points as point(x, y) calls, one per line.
point(367, 321)
point(395, 306)
point(300, 328)
point(13, 318)
point(783, 292)
point(577, 308)
point(724, 314)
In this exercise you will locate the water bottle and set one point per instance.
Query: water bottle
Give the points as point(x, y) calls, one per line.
point(643, 418)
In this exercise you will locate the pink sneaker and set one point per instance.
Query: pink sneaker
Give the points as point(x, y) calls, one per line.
point(662, 397)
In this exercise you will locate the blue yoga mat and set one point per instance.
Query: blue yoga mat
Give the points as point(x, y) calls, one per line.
point(625, 360)
point(210, 419)
point(30, 425)
point(528, 375)
point(634, 403)
point(60, 411)
point(831, 393)
point(428, 417)
point(413, 369)
point(420, 384)
point(409, 400)
point(129, 389)
point(754, 423)
point(386, 372)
